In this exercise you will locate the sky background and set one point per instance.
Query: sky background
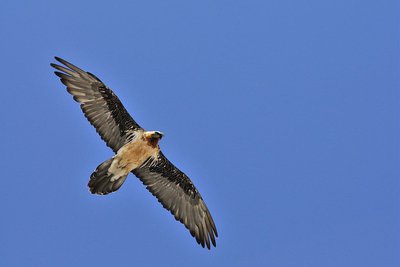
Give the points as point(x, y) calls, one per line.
point(285, 114)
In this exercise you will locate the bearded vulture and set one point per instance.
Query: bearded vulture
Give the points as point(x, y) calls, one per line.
point(137, 151)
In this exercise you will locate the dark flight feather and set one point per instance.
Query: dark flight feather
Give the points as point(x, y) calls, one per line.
point(99, 104)
point(176, 192)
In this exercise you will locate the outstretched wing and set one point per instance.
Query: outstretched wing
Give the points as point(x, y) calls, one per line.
point(176, 193)
point(100, 105)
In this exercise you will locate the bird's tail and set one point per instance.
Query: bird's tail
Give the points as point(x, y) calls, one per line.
point(103, 182)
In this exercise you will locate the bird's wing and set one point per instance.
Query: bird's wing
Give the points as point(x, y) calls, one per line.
point(100, 105)
point(176, 192)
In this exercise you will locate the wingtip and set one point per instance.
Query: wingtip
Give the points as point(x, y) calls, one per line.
point(60, 60)
point(63, 61)
point(57, 59)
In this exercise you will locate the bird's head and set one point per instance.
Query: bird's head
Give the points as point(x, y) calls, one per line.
point(157, 135)
point(153, 137)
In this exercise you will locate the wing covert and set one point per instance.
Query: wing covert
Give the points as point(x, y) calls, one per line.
point(99, 104)
point(176, 192)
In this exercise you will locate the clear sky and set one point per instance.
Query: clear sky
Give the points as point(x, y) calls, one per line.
point(285, 114)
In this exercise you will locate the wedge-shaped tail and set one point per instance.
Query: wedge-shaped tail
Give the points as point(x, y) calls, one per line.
point(103, 182)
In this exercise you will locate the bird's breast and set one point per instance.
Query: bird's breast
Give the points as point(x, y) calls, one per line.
point(133, 155)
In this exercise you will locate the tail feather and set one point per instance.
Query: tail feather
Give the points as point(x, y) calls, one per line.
point(101, 181)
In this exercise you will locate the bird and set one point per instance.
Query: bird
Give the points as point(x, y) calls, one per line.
point(136, 151)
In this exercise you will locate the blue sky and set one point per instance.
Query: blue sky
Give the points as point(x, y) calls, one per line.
point(285, 114)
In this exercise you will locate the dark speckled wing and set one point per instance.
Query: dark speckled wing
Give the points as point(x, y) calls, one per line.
point(100, 105)
point(176, 192)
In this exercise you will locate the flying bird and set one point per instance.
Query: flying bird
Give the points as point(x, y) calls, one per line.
point(137, 151)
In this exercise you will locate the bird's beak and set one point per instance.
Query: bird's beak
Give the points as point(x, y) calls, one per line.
point(158, 135)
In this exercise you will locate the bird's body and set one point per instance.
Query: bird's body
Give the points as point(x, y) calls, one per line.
point(134, 154)
point(137, 151)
